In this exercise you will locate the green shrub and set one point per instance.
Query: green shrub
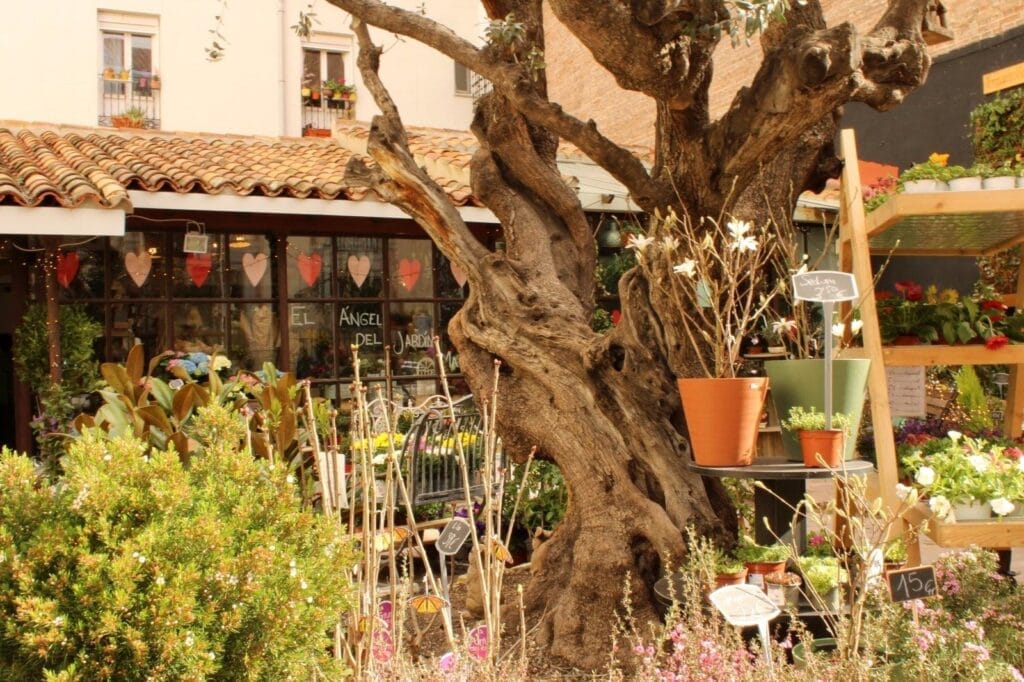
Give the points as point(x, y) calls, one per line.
point(133, 567)
point(78, 330)
point(997, 128)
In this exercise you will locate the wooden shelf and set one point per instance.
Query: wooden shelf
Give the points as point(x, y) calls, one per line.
point(931, 355)
point(993, 534)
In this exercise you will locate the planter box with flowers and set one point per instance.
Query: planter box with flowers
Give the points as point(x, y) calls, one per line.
point(936, 175)
point(712, 272)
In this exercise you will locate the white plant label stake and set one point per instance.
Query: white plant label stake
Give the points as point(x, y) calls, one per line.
point(826, 287)
point(746, 605)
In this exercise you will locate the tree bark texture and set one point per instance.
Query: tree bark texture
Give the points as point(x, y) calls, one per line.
point(605, 407)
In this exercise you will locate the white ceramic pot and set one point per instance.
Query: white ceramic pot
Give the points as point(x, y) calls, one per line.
point(921, 186)
point(964, 184)
point(999, 182)
point(972, 511)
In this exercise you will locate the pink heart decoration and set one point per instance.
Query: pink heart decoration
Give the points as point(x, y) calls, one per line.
point(385, 610)
point(478, 642)
point(309, 267)
point(382, 647)
point(458, 274)
point(198, 266)
point(138, 266)
point(616, 316)
point(255, 266)
point(359, 268)
point(409, 270)
point(67, 268)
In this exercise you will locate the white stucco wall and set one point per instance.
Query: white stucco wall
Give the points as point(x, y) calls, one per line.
point(50, 49)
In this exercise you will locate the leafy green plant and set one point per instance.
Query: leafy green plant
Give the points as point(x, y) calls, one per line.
point(811, 420)
point(544, 498)
point(970, 396)
point(935, 168)
point(751, 552)
point(78, 331)
point(728, 564)
point(997, 128)
point(611, 270)
point(898, 317)
point(822, 574)
point(132, 566)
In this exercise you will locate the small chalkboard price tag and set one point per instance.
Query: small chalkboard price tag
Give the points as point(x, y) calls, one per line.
point(453, 536)
point(824, 286)
point(911, 583)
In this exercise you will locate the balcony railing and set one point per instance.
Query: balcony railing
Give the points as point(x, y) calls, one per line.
point(319, 114)
point(133, 102)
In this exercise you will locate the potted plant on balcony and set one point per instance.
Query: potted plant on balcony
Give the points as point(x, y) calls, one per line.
point(125, 75)
point(109, 74)
point(817, 441)
point(154, 83)
point(713, 271)
point(333, 88)
point(130, 118)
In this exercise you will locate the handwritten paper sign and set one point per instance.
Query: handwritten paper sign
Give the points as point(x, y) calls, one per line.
point(906, 391)
point(453, 536)
point(911, 583)
point(743, 605)
point(824, 286)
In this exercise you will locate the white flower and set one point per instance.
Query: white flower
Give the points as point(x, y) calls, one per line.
point(175, 384)
point(302, 584)
point(741, 240)
point(688, 267)
point(1002, 506)
point(742, 244)
point(290, 479)
point(838, 328)
point(954, 435)
point(940, 506)
point(1020, 464)
point(979, 463)
point(783, 327)
point(160, 580)
point(309, 600)
point(58, 621)
point(142, 559)
point(855, 326)
point(670, 243)
point(638, 242)
point(219, 362)
point(107, 457)
point(925, 476)
point(188, 640)
point(738, 228)
point(903, 491)
point(212, 655)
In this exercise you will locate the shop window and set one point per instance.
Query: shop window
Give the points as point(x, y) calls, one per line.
point(309, 267)
point(410, 268)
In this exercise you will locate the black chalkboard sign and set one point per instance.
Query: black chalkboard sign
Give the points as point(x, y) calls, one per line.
point(453, 536)
point(911, 583)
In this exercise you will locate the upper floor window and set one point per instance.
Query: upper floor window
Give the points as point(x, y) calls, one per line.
point(129, 79)
point(325, 94)
point(463, 80)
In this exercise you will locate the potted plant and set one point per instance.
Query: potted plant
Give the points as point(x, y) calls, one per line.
point(1003, 176)
point(930, 176)
point(905, 318)
point(730, 570)
point(109, 74)
point(125, 75)
point(964, 179)
point(960, 476)
point(333, 87)
point(762, 559)
point(894, 556)
point(822, 577)
point(712, 271)
point(155, 82)
point(819, 445)
point(783, 589)
point(130, 118)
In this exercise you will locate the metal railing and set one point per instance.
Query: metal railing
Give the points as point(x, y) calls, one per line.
point(319, 115)
point(129, 103)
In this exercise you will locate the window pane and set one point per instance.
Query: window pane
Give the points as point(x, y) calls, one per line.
point(412, 345)
point(360, 267)
point(362, 325)
point(199, 327)
point(448, 352)
point(142, 322)
point(113, 58)
point(254, 336)
point(250, 265)
point(461, 78)
point(200, 275)
point(410, 262)
point(80, 271)
point(311, 68)
point(309, 340)
point(335, 67)
point(309, 267)
point(451, 281)
point(142, 64)
point(137, 265)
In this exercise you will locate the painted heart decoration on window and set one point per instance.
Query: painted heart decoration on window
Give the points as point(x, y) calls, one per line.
point(255, 266)
point(458, 274)
point(198, 266)
point(309, 267)
point(138, 266)
point(409, 270)
point(67, 268)
point(359, 269)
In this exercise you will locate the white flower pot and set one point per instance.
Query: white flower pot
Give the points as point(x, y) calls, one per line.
point(1020, 181)
point(972, 511)
point(919, 186)
point(964, 184)
point(999, 182)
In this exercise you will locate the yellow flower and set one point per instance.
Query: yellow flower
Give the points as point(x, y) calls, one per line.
point(949, 296)
point(940, 159)
point(931, 294)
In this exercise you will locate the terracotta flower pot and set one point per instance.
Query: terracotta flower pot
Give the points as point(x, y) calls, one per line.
point(829, 444)
point(737, 578)
point(722, 416)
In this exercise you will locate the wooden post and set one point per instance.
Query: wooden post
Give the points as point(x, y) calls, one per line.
point(22, 394)
point(52, 307)
point(1013, 416)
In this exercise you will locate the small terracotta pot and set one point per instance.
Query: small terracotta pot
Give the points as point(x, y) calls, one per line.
point(766, 567)
point(829, 444)
point(737, 578)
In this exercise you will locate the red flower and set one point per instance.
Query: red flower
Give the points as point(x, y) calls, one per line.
point(883, 295)
point(911, 290)
point(917, 438)
point(993, 305)
point(996, 342)
point(1013, 453)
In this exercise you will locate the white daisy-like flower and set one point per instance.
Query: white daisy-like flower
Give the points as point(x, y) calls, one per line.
point(855, 326)
point(744, 243)
point(954, 435)
point(1020, 464)
point(925, 476)
point(212, 655)
point(639, 242)
point(1002, 506)
point(670, 242)
point(783, 327)
point(838, 328)
point(979, 462)
point(688, 267)
point(738, 228)
point(940, 506)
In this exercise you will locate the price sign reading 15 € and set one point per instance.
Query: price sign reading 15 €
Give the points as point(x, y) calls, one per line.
point(824, 286)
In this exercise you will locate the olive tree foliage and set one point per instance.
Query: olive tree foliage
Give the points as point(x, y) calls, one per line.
point(604, 407)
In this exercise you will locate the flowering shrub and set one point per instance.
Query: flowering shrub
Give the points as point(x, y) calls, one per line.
point(134, 567)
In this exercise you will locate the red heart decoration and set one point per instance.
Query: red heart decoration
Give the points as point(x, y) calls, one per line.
point(616, 316)
point(67, 268)
point(409, 270)
point(198, 266)
point(309, 267)
point(458, 274)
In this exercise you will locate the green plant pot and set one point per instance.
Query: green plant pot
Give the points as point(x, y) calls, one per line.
point(821, 644)
point(802, 382)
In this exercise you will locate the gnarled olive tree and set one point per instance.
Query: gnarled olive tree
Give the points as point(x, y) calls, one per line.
point(605, 407)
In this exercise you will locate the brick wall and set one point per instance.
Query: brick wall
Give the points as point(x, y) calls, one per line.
point(584, 88)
